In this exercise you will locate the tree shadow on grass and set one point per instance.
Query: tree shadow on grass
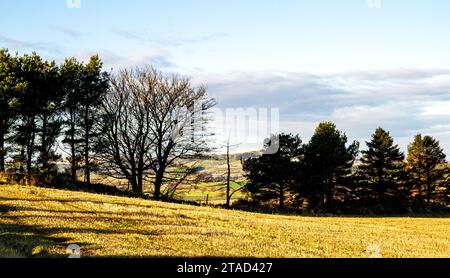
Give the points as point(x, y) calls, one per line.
point(79, 200)
point(255, 210)
point(25, 238)
point(17, 234)
point(117, 221)
point(432, 215)
point(29, 241)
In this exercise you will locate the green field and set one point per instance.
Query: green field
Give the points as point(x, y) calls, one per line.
point(214, 191)
point(43, 222)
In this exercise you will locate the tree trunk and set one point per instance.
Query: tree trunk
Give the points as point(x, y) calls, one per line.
point(228, 176)
point(420, 188)
point(428, 188)
point(380, 186)
point(281, 205)
point(314, 197)
point(30, 147)
point(158, 184)
point(330, 196)
point(22, 159)
point(2, 149)
point(139, 189)
point(132, 180)
point(133, 183)
point(87, 170)
point(44, 155)
point(313, 201)
point(73, 167)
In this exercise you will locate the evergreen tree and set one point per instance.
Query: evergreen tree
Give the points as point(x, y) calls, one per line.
point(327, 160)
point(71, 74)
point(415, 164)
point(30, 103)
point(49, 116)
point(426, 165)
point(273, 176)
point(10, 86)
point(94, 85)
point(38, 122)
point(382, 165)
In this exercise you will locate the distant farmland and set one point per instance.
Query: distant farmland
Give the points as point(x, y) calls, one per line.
point(209, 184)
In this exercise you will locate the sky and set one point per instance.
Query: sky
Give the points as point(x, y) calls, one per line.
point(361, 64)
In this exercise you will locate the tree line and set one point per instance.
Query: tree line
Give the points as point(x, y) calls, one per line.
point(147, 128)
point(138, 125)
point(329, 174)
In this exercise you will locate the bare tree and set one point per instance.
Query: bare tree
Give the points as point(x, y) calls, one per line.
point(230, 191)
point(152, 126)
point(126, 124)
point(179, 115)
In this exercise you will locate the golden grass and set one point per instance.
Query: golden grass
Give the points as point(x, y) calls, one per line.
point(46, 221)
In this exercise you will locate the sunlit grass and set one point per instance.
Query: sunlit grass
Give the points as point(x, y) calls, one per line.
point(46, 220)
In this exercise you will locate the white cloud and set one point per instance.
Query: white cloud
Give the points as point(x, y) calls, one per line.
point(405, 102)
point(438, 108)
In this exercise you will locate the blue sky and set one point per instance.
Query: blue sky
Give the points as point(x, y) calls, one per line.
point(315, 60)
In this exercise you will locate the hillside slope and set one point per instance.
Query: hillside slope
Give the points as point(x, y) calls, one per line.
point(43, 222)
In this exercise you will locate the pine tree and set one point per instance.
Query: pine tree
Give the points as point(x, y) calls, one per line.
point(95, 83)
point(10, 86)
point(382, 164)
point(426, 165)
point(30, 103)
point(71, 74)
point(272, 176)
point(38, 122)
point(49, 116)
point(327, 160)
point(415, 164)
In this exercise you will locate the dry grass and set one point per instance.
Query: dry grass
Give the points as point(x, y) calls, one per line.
point(44, 222)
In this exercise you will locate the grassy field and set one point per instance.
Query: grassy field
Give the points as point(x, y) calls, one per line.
point(43, 222)
point(214, 192)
